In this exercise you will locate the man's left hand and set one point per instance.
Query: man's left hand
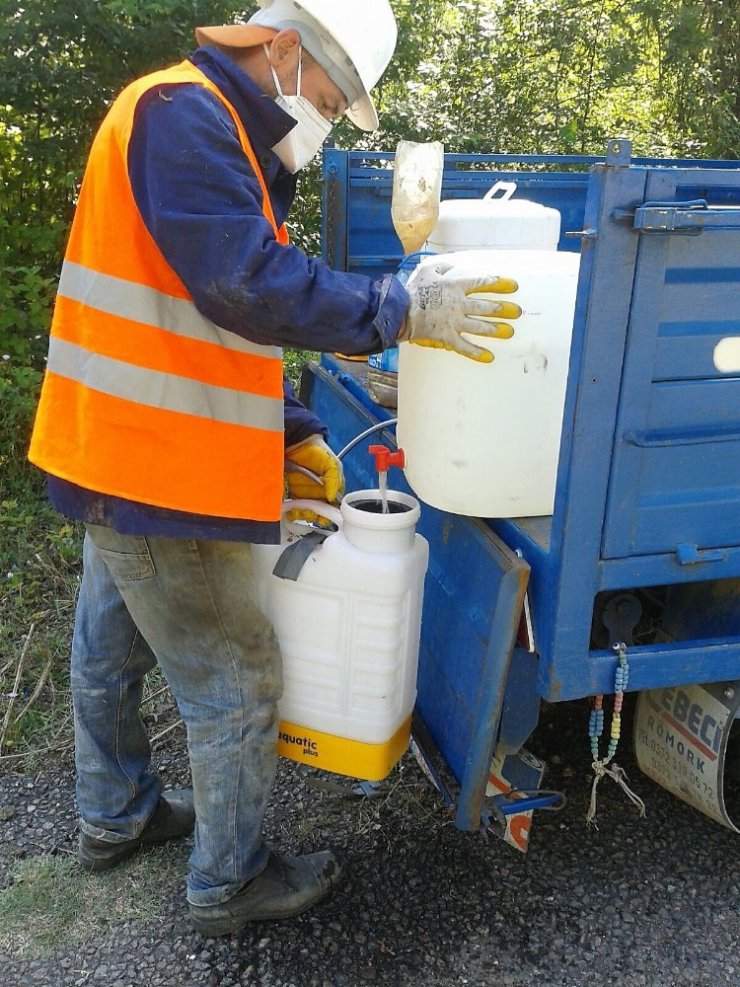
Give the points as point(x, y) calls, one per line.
point(314, 455)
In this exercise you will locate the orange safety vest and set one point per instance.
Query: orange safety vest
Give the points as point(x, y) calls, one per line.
point(144, 398)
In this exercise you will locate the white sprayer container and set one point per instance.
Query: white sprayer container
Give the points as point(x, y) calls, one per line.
point(348, 629)
point(496, 220)
point(482, 439)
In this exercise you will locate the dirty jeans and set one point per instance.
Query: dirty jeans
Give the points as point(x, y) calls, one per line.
point(189, 607)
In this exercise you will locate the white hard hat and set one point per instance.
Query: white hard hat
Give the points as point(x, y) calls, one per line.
point(352, 40)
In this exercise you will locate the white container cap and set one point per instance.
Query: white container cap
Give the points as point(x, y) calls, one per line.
point(373, 531)
point(496, 220)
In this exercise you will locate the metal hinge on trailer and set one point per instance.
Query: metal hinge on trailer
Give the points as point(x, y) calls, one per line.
point(688, 218)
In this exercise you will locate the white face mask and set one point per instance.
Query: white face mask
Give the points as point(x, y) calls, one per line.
point(297, 148)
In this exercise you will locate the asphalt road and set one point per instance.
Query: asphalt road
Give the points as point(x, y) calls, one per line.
point(647, 902)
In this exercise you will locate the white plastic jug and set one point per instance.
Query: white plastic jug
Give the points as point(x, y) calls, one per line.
point(496, 220)
point(348, 629)
point(482, 439)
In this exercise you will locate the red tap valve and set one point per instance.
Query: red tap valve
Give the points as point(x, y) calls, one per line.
point(385, 458)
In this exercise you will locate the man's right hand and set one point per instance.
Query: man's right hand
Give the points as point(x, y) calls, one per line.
point(447, 301)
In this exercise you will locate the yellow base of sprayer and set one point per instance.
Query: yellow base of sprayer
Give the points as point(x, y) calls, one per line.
point(353, 758)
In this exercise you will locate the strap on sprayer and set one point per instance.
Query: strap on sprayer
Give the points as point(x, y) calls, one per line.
point(294, 556)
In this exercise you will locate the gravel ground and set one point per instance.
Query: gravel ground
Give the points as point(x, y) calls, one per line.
point(650, 902)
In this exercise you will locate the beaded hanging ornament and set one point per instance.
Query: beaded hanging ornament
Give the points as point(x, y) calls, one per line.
point(604, 766)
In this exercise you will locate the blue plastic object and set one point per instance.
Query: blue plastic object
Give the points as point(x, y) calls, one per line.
point(387, 361)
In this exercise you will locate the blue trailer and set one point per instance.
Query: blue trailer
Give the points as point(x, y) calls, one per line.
point(633, 583)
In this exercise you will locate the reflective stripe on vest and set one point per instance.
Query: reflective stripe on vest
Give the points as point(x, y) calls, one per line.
point(145, 398)
point(158, 390)
point(115, 296)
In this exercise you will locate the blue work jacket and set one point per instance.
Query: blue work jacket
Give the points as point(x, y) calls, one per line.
point(199, 197)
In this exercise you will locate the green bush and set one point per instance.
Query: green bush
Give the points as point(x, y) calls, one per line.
point(19, 387)
point(27, 256)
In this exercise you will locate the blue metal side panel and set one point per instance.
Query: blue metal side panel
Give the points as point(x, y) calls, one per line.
point(472, 601)
point(472, 606)
point(675, 476)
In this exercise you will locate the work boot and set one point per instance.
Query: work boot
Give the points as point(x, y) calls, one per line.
point(173, 818)
point(285, 888)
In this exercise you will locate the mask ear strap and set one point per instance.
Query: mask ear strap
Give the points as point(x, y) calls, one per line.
point(300, 67)
point(272, 69)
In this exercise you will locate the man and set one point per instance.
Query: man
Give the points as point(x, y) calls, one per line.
point(164, 425)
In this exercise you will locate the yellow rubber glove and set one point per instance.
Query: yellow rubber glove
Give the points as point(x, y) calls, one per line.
point(315, 455)
point(447, 300)
point(310, 517)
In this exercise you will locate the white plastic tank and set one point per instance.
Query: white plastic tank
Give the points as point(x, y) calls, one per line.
point(348, 629)
point(482, 439)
